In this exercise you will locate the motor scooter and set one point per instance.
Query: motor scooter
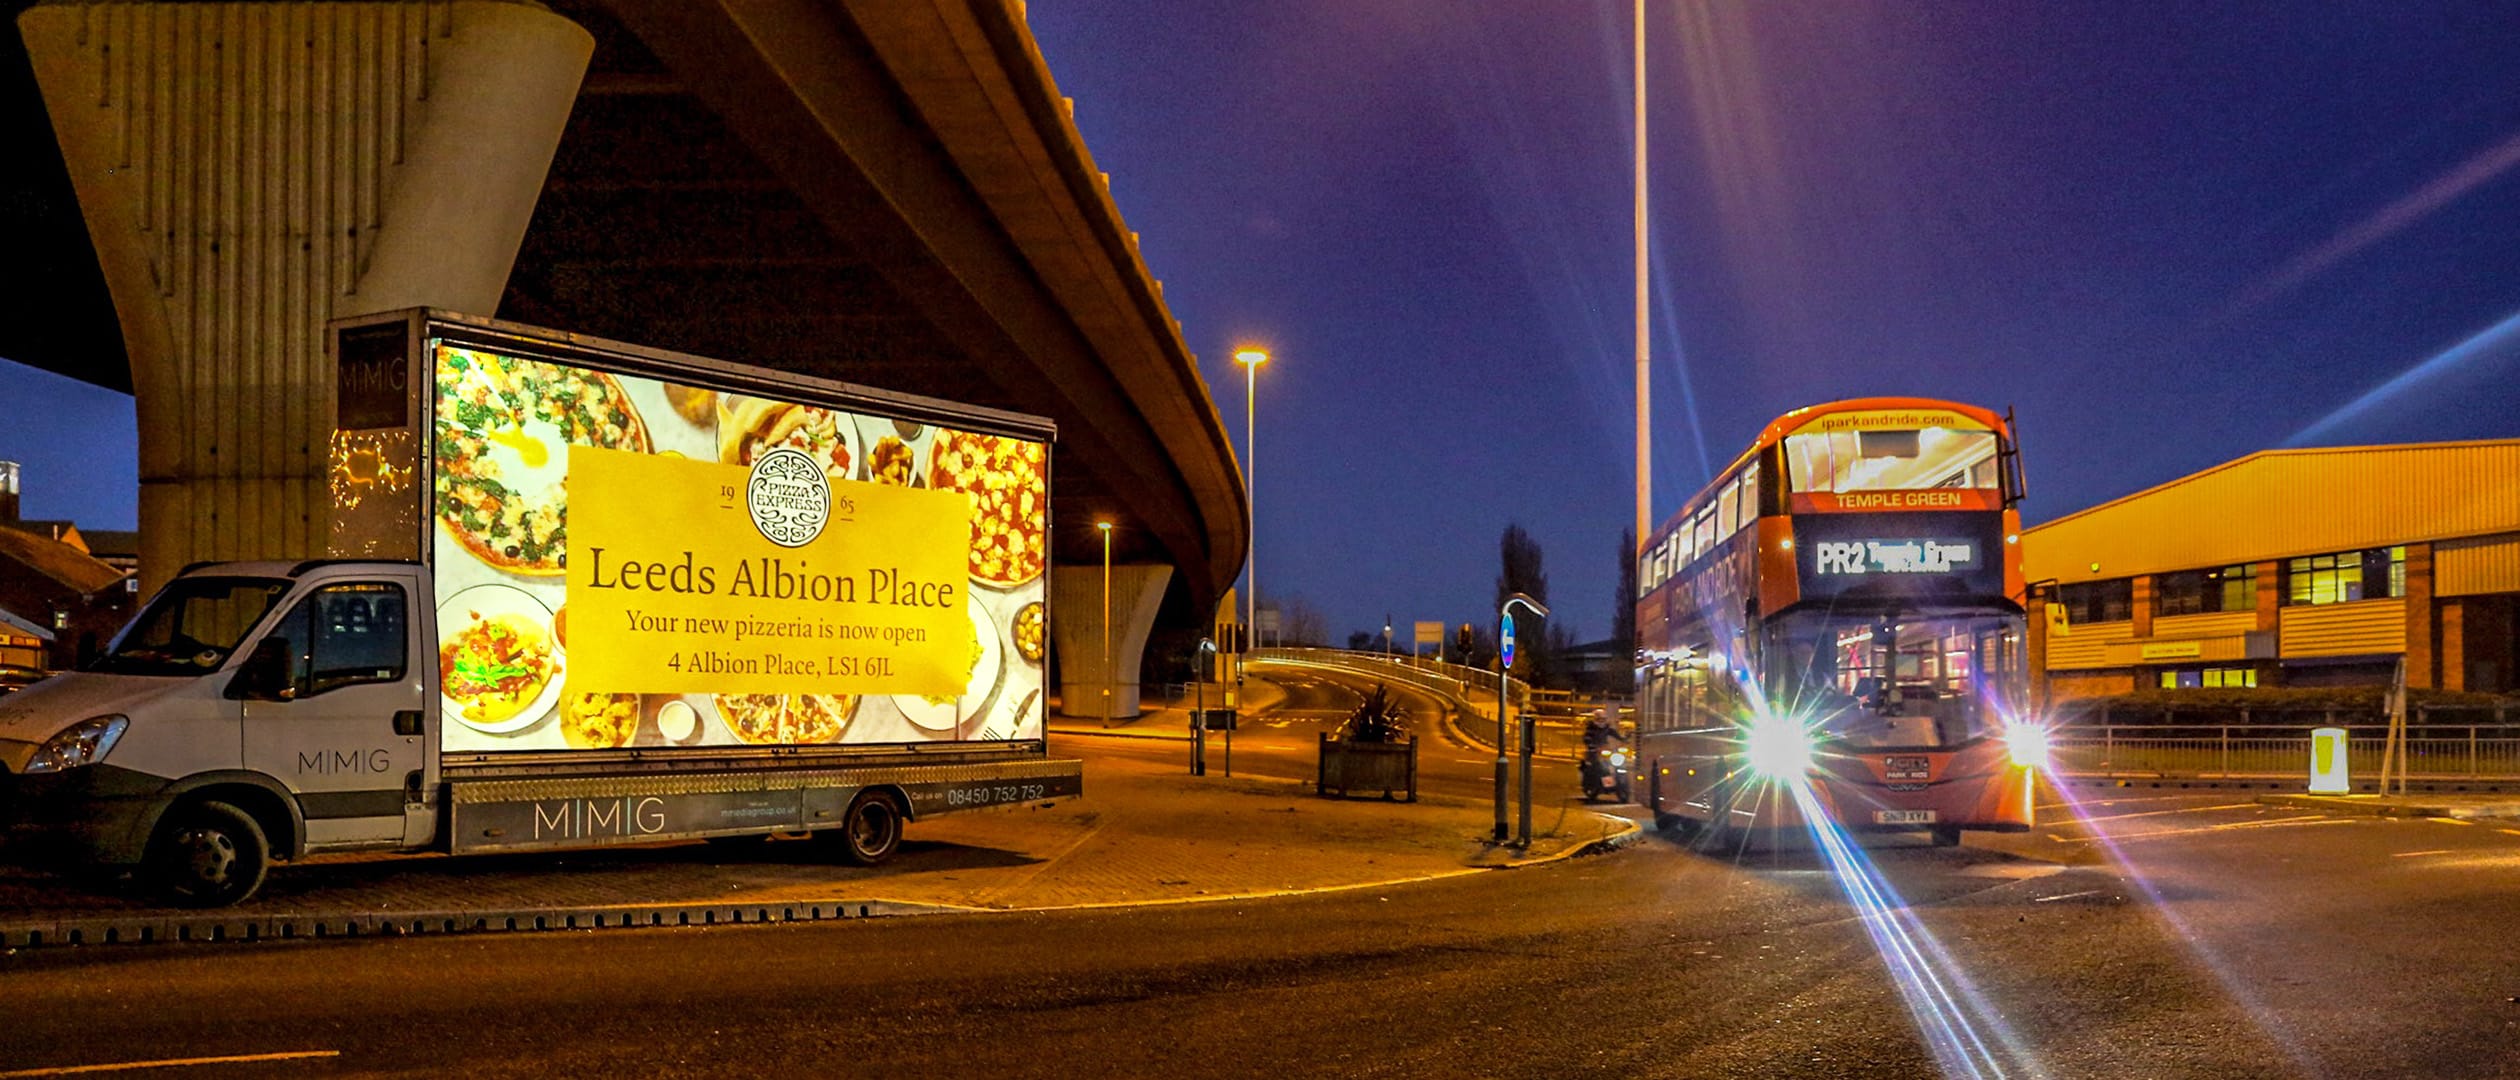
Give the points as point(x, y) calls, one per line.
point(1604, 771)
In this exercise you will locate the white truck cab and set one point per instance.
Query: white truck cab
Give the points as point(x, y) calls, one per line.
point(251, 711)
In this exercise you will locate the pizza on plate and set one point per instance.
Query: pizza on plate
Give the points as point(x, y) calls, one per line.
point(754, 718)
point(1007, 480)
point(819, 718)
point(504, 428)
point(785, 719)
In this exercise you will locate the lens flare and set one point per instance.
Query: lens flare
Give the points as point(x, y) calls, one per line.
point(1778, 747)
point(2240, 989)
point(1962, 1029)
point(2028, 744)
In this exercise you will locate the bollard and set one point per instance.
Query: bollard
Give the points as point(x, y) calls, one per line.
point(2329, 773)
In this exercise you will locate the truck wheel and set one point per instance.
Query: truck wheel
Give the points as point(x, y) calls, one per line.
point(873, 829)
point(209, 854)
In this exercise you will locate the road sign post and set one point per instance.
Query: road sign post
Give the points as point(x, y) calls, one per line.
point(1505, 664)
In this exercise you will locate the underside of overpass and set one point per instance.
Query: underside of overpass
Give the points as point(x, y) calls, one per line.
point(887, 193)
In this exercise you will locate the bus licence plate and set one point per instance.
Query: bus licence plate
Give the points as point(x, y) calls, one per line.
point(1903, 817)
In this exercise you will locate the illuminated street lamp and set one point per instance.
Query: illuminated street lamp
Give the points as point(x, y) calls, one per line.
point(1250, 358)
point(1109, 676)
point(1504, 664)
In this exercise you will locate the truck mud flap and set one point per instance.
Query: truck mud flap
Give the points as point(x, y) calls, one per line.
point(514, 815)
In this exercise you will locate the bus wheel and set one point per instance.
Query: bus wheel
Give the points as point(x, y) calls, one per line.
point(208, 854)
point(872, 832)
point(1946, 836)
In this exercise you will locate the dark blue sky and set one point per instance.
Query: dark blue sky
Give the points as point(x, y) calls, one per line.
point(2167, 237)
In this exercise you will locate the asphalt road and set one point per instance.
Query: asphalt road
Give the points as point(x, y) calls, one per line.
point(2140, 935)
point(2250, 942)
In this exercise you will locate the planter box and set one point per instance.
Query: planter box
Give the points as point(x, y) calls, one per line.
point(1351, 767)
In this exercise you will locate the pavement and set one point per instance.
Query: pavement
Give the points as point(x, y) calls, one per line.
point(1144, 833)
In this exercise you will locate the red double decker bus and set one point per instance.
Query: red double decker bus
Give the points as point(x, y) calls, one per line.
point(1842, 609)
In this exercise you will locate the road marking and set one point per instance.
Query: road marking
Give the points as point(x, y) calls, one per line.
point(2225, 827)
point(2067, 896)
point(171, 1063)
point(2181, 810)
point(2449, 821)
point(1480, 761)
point(2413, 854)
point(2119, 799)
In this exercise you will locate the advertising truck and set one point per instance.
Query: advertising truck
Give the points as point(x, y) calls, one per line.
point(575, 593)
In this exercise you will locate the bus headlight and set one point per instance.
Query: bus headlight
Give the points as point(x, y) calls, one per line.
point(1779, 747)
point(2029, 745)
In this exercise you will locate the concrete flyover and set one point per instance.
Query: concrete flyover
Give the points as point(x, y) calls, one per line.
point(887, 192)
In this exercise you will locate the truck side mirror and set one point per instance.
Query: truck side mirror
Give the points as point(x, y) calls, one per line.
point(265, 673)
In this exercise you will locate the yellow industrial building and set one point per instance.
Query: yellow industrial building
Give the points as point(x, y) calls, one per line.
point(2319, 567)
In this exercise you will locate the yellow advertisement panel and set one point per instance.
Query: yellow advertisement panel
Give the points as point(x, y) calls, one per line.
point(674, 586)
point(623, 562)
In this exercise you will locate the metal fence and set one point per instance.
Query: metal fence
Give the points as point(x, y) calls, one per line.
point(2433, 751)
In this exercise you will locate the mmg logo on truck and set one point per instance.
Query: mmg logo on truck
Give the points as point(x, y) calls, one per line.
point(579, 819)
point(337, 762)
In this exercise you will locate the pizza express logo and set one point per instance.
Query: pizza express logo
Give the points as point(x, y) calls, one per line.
point(789, 497)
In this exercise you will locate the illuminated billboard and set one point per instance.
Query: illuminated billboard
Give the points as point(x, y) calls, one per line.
point(623, 562)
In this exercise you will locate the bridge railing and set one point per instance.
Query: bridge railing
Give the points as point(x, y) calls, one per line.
point(2433, 752)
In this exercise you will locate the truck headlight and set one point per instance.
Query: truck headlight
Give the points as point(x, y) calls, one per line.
point(1779, 747)
point(84, 743)
point(2029, 745)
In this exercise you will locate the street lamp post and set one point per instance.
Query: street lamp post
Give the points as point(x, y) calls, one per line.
point(1251, 359)
point(1198, 718)
point(1504, 612)
point(1110, 677)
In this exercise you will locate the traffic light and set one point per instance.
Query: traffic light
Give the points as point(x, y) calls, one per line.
point(1464, 640)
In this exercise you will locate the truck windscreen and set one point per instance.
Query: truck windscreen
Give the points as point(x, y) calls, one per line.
point(191, 626)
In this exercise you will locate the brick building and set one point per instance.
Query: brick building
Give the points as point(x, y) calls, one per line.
point(61, 603)
point(2319, 567)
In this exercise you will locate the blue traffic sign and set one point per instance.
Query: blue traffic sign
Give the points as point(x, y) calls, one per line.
point(1506, 637)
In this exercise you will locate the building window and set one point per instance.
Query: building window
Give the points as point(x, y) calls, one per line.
point(2346, 576)
point(2198, 592)
point(2212, 678)
point(2098, 601)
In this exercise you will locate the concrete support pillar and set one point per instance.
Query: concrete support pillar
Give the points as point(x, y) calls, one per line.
point(250, 171)
point(1076, 630)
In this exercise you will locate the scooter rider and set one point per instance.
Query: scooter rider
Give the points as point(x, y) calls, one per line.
point(1601, 730)
point(1605, 756)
